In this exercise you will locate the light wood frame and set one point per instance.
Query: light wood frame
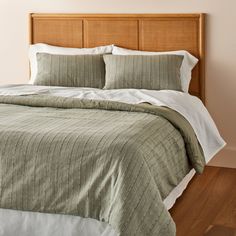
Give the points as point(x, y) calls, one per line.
point(149, 32)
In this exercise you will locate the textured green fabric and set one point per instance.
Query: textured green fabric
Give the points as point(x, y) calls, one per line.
point(70, 71)
point(106, 160)
point(143, 72)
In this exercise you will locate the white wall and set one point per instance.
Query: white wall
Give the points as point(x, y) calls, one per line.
point(221, 46)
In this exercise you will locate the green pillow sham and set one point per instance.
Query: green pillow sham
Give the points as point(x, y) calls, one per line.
point(70, 70)
point(155, 72)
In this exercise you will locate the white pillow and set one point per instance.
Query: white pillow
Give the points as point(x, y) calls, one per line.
point(188, 63)
point(45, 48)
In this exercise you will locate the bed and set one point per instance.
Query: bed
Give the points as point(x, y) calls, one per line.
point(89, 161)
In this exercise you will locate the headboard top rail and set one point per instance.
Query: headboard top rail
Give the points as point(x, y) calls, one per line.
point(112, 15)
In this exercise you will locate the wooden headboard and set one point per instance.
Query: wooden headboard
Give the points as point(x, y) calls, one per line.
point(149, 32)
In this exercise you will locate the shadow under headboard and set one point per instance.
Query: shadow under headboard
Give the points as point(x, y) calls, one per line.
point(149, 32)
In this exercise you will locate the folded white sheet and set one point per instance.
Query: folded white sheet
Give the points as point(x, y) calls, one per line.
point(20, 223)
point(189, 106)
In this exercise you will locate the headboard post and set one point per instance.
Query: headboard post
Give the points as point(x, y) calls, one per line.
point(148, 32)
point(202, 55)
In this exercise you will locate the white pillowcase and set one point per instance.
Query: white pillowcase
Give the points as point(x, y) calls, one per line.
point(188, 63)
point(45, 48)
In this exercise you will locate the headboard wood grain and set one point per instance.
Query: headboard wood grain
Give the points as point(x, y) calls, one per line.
point(149, 32)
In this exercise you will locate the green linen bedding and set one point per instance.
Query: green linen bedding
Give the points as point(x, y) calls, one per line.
point(100, 159)
point(156, 72)
point(70, 70)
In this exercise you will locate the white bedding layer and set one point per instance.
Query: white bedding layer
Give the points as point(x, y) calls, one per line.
point(19, 223)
